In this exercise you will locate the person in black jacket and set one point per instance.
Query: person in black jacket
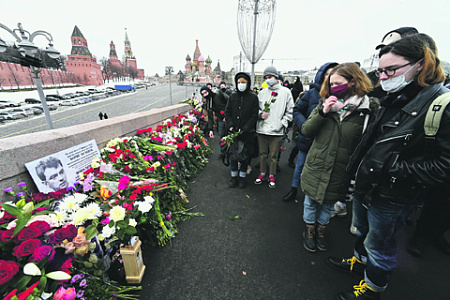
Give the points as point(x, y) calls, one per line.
point(214, 104)
point(241, 114)
point(394, 165)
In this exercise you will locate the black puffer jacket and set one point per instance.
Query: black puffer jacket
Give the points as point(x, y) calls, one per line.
point(393, 161)
point(241, 112)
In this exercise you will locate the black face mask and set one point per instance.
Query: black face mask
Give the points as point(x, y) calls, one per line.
point(223, 89)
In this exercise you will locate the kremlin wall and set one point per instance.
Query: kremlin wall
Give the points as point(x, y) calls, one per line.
point(81, 67)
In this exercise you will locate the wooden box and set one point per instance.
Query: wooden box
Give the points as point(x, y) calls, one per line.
point(133, 262)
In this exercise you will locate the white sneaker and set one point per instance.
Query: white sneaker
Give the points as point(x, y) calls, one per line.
point(339, 210)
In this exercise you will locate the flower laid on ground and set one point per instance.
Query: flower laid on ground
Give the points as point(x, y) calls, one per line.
point(272, 99)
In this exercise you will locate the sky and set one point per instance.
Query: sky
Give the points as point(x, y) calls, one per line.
point(162, 33)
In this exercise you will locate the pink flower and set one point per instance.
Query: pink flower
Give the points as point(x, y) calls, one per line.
point(105, 221)
point(70, 247)
point(123, 182)
point(63, 294)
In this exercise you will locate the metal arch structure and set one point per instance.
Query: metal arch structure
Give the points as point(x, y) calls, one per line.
point(255, 22)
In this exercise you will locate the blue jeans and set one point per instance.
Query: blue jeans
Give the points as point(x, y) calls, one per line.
point(311, 213)
point(298, 168)
point(235, 171)
point(376, 234)
point(222, 132)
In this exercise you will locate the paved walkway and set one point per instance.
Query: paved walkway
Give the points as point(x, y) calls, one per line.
point(261, 255)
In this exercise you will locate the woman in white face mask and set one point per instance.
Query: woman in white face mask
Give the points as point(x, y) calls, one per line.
point(241, 114)
point(394, 165)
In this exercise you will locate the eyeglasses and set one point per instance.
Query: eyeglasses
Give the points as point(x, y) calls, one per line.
point(389, 72)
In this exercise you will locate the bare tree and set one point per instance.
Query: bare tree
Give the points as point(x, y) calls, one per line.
point(14, 75)
point(132, 72)
point(107, 73)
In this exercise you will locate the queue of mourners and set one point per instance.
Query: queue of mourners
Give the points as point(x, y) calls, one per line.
point(362, 139)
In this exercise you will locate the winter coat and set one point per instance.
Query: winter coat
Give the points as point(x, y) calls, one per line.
point(394, 161)
point(324, 176)
point(242, 113)
point(280, 111)
point(307, 103)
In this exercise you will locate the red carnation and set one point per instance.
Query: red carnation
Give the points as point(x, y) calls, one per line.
point(7, 270)
point(26, 248)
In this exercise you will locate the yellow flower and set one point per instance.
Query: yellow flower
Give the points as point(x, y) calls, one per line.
point(161, 223)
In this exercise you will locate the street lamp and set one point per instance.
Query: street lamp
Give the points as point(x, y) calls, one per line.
point(169, 71)
point(26, 47)
point(256, 19)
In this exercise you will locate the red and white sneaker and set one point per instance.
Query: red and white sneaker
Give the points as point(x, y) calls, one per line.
point(260, 178)
point(272, 184)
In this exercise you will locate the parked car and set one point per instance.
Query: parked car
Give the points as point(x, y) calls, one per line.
point(29, 111)
point(36, 111)
point(56, 96)
point(32, 100)
point(72, 102)
point(10, 116)
point(52, 106)
point(3, 119)
point(68, 96)
point(2, 106)
point(50, 98)
point(19, 111)
point(9, 103)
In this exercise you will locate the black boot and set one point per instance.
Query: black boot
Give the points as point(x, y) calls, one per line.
point(360, 292)
point(308, 238)
point(353, 265)
point(233, 182)
point(242, 182)
point(291, 195)
point(321, 242)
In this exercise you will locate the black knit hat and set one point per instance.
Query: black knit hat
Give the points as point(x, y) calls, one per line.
point(395, 35)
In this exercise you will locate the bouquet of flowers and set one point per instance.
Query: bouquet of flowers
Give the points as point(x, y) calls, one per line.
point(229, 139)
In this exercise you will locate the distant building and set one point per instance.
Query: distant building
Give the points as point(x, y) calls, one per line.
point(199, 69)
point(81, 63)
point(128, 63)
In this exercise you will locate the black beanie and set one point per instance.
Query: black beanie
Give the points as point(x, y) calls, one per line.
point(206, 88)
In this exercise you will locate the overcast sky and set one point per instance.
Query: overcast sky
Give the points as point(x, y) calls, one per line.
point(163, 32)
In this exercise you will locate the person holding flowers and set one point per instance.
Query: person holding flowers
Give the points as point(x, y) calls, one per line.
point(241, 114)
point(275, 112)
point(336, 124)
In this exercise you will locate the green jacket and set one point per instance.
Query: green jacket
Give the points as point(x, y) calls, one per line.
point(324, 176)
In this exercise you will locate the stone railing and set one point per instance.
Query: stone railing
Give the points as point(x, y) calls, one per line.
point(16, 151)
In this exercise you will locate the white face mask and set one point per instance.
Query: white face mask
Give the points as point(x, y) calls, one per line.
point(242, 87)
point(271, 81)
point(396, 84)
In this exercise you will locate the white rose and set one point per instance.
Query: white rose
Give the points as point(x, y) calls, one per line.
point(117, 213)
point(132, 222)
point(108, 231)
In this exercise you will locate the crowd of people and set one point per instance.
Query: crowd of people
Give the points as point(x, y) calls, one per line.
point(357, 133)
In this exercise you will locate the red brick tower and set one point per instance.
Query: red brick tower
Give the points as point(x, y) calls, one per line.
point(81, 62)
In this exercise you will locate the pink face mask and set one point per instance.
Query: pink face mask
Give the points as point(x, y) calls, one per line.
point(340, 90)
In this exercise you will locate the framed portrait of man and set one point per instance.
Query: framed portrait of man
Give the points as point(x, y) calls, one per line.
point(62, 169)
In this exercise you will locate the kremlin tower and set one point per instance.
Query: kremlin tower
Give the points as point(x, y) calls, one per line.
point(80, 61)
